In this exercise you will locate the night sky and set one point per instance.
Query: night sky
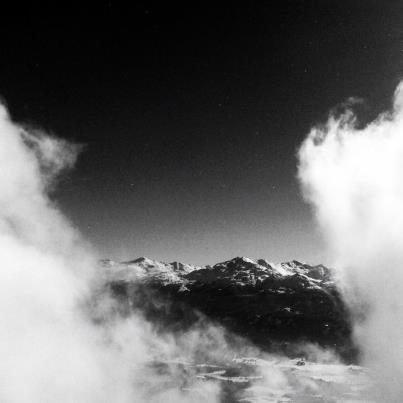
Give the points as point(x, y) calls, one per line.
point(191, 116)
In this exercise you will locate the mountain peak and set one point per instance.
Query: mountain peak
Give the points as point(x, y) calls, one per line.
point(251, 296)
point(140, 260)
point(239, 270)
point(244, 259)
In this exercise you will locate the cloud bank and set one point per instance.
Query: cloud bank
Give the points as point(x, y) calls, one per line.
point(61, 338)
point(51, 349)
point(353, 178)
point(45, 343)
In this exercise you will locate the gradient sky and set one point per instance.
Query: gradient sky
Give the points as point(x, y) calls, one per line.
point(191, 116)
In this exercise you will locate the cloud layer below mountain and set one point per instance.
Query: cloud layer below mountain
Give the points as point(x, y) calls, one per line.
point(50, 347)
point(61, 340)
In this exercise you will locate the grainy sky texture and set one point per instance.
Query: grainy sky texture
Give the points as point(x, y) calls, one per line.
point(191, 116)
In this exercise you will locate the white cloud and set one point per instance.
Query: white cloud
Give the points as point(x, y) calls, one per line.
point(50, 349)
point(354, 180)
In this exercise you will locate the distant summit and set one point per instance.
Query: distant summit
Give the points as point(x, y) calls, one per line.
point(239, 271)
point(263, 301)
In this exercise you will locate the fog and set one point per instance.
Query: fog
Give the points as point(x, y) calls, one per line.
point(50, 348)
point(62, 338)
point(352, 174)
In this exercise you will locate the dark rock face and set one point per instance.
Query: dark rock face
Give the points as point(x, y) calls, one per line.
point(270, 304)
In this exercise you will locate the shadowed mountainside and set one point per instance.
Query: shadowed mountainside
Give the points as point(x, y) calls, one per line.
point(273, 305)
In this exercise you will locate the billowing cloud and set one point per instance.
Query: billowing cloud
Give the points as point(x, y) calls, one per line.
point(353, 177)
point(51, 350)
point(61, 339)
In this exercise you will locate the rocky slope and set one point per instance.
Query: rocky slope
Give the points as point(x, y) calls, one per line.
point(270, 304)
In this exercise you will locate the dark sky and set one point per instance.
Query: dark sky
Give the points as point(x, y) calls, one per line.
point(191, 115)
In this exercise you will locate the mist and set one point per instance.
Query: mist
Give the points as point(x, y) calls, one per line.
point(62, 337)
point(51, 348)
point(352, 175)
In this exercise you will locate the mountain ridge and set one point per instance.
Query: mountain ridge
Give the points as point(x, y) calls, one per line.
point(266, 302)
point(144, 266)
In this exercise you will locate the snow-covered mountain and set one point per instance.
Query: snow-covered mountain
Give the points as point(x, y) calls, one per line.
point(266, 302)
point(147, 270)
point(240, 271)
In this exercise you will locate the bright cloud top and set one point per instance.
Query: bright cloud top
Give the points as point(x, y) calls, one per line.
point(353, 177)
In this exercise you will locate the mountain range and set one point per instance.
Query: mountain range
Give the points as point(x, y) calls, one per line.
point(272, 305)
